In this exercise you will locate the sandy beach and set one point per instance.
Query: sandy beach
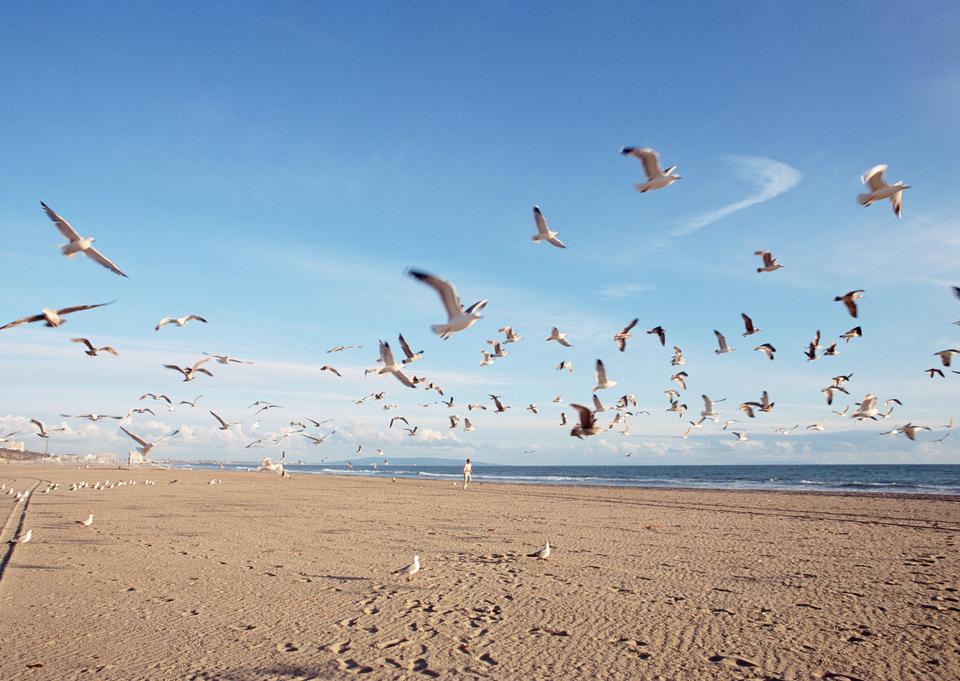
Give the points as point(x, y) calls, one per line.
point(267, 578)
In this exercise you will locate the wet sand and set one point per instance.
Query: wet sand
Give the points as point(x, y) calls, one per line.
point(267, 578)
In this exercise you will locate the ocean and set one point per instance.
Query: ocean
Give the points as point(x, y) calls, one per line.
point(905, 479)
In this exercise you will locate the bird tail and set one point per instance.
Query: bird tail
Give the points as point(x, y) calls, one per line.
point(440, 329)
point(864, 199)
point(641, 187)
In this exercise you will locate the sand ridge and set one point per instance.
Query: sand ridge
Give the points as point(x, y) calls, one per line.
point(267, 578)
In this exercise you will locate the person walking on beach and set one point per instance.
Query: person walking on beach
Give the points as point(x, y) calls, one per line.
point(467, 473)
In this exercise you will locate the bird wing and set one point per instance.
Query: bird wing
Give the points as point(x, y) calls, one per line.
point(721, 340)
point(897, 202)
point(38, 424)
point(62, 225)
point(601, 373)
point(629, 326)
point(84, 341)
point(78, 308)
point(406, 347)
point(23, 320)
point(386, 354)
point(597, 404)
point(540, 220)
point(163, 322)
point(446, 291)
point(873, 178)
point(195, 317)
point(141, 441)
point(747, 323)
point(100, 258)
point(707, 404)
point(651, 162)
point(222, 422)
point(851, 305)
point(402, 377)
point(586, 416)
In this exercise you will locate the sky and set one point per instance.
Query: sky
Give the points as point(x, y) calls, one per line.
point(277, 167)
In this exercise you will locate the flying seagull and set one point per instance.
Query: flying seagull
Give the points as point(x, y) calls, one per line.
point(190, 373)
point(411, 356)
point(680, 378)
point(565, 364)
point(722, 342)
point(602, 381)
point(766, 349)
point(223, 424)
point(511, 335)
point(341, 348)
point(500, 407)
point(226, 359)
point(656, 178)
point(879, 189)
point(390, 365)
point(561, 338)
point(661, 334)
point(77, 244)
point(770, 263)
point(179, 321)
point(543, 233)
point(620, 337)
point(855, 332)
point(145, 446)
point(850, 299)
point(52, 318)
point(947, 355)
point(331, 369)
point(748, 328)
point(458, 318)
point(678, 359)
point(588, 423)
point(92, 417)
point(94, 351)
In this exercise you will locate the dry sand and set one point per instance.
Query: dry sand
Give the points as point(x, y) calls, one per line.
point(269, 578)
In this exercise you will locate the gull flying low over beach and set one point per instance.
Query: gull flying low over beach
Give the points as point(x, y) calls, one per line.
point(458, 318)
point(588, 423)
point(52, 318)
point(656, 178)
point(145, 446)
point(879, 189)
point(223, 424)
point(77, 244)
point(179, 321)
point(770, 263)
point(543, 233)
point(94, 351)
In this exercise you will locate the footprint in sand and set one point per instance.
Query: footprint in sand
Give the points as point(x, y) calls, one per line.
point(731, 661)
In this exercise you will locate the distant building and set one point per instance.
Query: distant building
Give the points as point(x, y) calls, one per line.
point(15, 446)
point(102, 457)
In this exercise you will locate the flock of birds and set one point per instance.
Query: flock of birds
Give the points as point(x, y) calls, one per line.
point(460, 319)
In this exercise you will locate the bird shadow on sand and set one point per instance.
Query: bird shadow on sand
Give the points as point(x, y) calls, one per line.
point(275, 673)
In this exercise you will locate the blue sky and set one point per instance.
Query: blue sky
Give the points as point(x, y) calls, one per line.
point(276, 167)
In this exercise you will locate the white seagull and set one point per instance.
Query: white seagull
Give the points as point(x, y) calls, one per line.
point(722, 342)
point(543, 233)
point(77, 244)
point(411, 569)
point(542, 553)
point(879, 189)
point(390, 365)
point(94, 351)
point(52, 318)
point(770, 263)
point(145, 446)
point(561, 338)
point(458, 318)
point(602, 381)
point(179, 321)
point(656, 178)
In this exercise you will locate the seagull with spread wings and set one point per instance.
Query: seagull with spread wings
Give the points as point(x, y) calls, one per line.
point(620, 337)
point(544, 233)
point(78, 244)
point(722, 342)
point(656, 178)
point(190, 373)
point(770, 263)
point(179, 321)
point(602, 381)
point(411, 356)
point(226, 359)
point(879, 189)
point(849, 299)
point(52, 318)
point(94, 351)
point(390, 365)
point(223, 424)
point(588, 423)
point(145, 447)
point(458, 318)
point(561, 338)
point(748, 328)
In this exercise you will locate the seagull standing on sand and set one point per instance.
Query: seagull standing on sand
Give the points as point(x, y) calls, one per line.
point(656, 178)
point(25, 537)
point(602, 381)
point(542, 553)
point(458, 318)
point(879, 189)
point(543, 233)
point(179, 321)
point(411, 569)
point(77, 244)
point(88, 522)
point(51, 318)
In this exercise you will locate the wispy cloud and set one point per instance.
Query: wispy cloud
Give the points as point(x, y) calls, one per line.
point(623, 290)
point(770, 179)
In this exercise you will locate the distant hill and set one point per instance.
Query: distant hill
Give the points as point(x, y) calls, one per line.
point(17, 455)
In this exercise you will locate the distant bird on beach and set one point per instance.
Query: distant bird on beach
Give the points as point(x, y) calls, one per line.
point(543, 232)
point(77, 244)
point(94, 351)
point(879, 189)
point(458, 318)
point(52, 318)
point(656, 178)
point(179, 321)
point(25, 537)
point(770, 263)
point(88, 522)
point(542, 553)
point(411, 569)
